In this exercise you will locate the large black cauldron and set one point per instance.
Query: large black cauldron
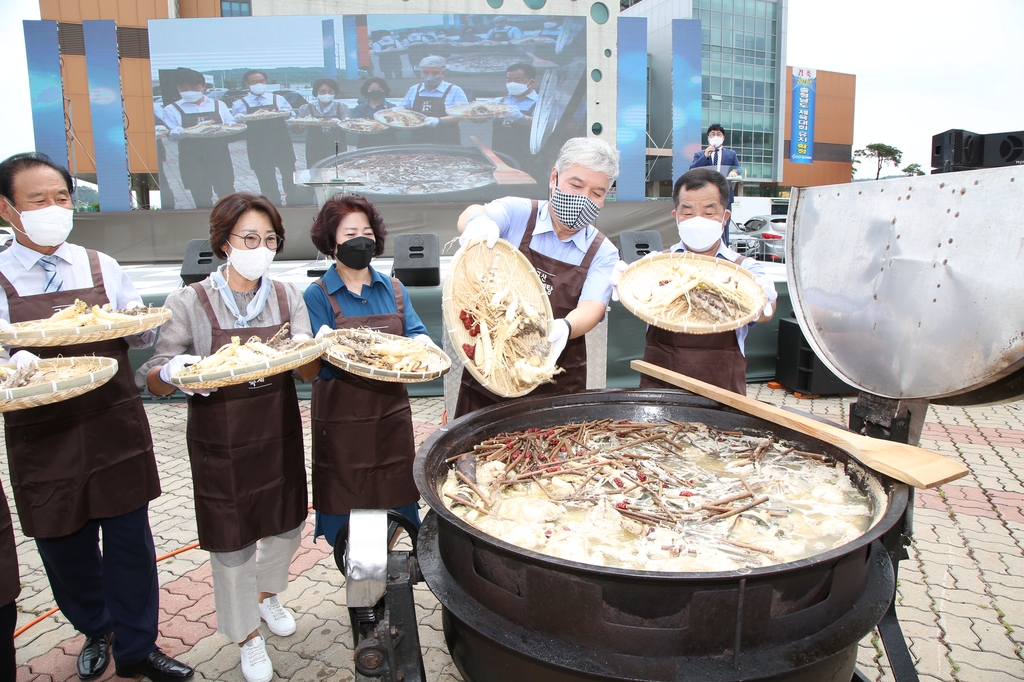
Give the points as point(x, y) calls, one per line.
point(514, 615)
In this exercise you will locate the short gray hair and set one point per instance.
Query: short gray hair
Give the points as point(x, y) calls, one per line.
point(590, 152)
point(432, 61)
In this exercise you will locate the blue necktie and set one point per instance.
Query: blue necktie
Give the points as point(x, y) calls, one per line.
point(54, 281)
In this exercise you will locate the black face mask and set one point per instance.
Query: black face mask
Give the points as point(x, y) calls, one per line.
point(356, 253)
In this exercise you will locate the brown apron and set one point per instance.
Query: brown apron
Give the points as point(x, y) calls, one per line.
point(363, 446)
point(564, 284)
point(87, 458)
point(714, 358)
point(245, 447)
point(10, 583)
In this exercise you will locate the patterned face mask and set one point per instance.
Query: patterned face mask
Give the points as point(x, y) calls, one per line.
point(575, 211)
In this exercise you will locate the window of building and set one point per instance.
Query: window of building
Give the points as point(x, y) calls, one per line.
point(235, 9)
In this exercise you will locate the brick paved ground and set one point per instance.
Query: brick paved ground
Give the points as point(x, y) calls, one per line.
point(958, 598)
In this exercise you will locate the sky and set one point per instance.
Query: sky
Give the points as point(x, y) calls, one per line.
point(922, 67)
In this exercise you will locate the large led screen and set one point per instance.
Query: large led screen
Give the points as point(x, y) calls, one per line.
point(395, 107)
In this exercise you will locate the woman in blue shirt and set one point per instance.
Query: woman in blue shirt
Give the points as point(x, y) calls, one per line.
point(362, 428)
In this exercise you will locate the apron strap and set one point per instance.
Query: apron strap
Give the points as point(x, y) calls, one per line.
point(334, 301)
point(204, 299)
point(399, 299)
point(524, 243)
point(592, 251)
point(97, 271)
point(9, 289)
point(282, 303)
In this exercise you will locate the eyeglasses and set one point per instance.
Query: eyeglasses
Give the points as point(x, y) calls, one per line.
point(253, 240)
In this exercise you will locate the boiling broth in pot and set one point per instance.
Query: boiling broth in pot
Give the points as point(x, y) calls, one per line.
point(672, 496)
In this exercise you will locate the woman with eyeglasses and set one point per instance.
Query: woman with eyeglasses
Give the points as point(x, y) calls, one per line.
point(244, 442)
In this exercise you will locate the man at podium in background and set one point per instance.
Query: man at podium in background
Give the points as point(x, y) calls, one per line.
point(717, 156)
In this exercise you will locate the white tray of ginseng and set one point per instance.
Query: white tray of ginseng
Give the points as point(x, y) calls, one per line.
point(49, 381)
point(684, 292)
point(239, 363)
point(386, 357)
point(82, 323)
point(498, 317)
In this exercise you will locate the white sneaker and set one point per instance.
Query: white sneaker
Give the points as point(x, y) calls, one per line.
point(278, 619)
point(256, 665)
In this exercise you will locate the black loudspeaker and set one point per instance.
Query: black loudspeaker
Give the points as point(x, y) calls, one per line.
point(635, 245)
point(798, 368)
point(957, 149)
point(1004, 149)
point(417, 260)
point(199, 261)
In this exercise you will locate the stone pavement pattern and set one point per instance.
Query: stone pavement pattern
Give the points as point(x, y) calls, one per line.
point(958, 599)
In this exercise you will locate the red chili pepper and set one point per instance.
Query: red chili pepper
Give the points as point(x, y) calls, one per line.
point(622, 505)
point(618, 482)
point(470, 350)
point(685, 493)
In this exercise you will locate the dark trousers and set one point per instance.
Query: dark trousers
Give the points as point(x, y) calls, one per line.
point(8, 619)
point(113, 591)
point(265, 170)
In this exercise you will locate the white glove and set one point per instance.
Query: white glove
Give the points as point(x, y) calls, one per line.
point(299, 338)
point(425, 340)
point(514, 115)
point(480, 226)
point(559, 335)
point(23, 359)
point(132, 305)
point(431, 121)
point(768, 287)
point(5, 325)
point(614, 278)
point(176, 133)
point(175, 365)
point(335, 121)
point(323, 331)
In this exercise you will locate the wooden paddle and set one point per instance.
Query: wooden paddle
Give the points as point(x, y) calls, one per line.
point(504, 174)
point(911, 465)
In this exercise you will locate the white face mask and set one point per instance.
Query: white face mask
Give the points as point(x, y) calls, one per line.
point(699, 233)
point(517, 89)
point(191, 96)
point(258, 88)
point(251, 263)
point(325, 99)
point(48, 226)
point(717, 141)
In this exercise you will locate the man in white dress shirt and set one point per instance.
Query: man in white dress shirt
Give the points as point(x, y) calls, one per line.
point(267, 141)
point(433, 98)
point(204, 163)
point(86, 464)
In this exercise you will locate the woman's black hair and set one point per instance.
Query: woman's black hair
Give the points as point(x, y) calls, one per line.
point(18, 163)
point(365, 87)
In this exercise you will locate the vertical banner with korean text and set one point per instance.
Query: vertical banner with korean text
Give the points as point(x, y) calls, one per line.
point(631, 128)
point(686, 93)
point(801, 142)
point(46, 89)
point(107, 109)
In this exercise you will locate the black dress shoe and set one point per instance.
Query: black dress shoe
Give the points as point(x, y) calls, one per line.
point(94, 657)
point(158, 667)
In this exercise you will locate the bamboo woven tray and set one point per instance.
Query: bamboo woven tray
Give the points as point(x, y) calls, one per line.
point(247, 373)
point(310, 123)
point(363, 126)
point(472, 111)
point(521, 277)
point(387, 117)
point(220, 130)
point(336, 357)
point(645, 275)
point(88, 373)
point(264, 115)
point(69, 336)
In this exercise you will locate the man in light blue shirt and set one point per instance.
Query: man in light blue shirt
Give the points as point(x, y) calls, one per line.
point(433, 98)
point(503, 31)
point(573, 260)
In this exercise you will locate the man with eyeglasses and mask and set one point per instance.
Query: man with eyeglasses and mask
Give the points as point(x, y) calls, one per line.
point(85, 464)
point(700, 197)
point(573, 259)
point(512, 132)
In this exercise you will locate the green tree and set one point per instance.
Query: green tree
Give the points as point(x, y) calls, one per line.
point(882, 153)
point(913, 169)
